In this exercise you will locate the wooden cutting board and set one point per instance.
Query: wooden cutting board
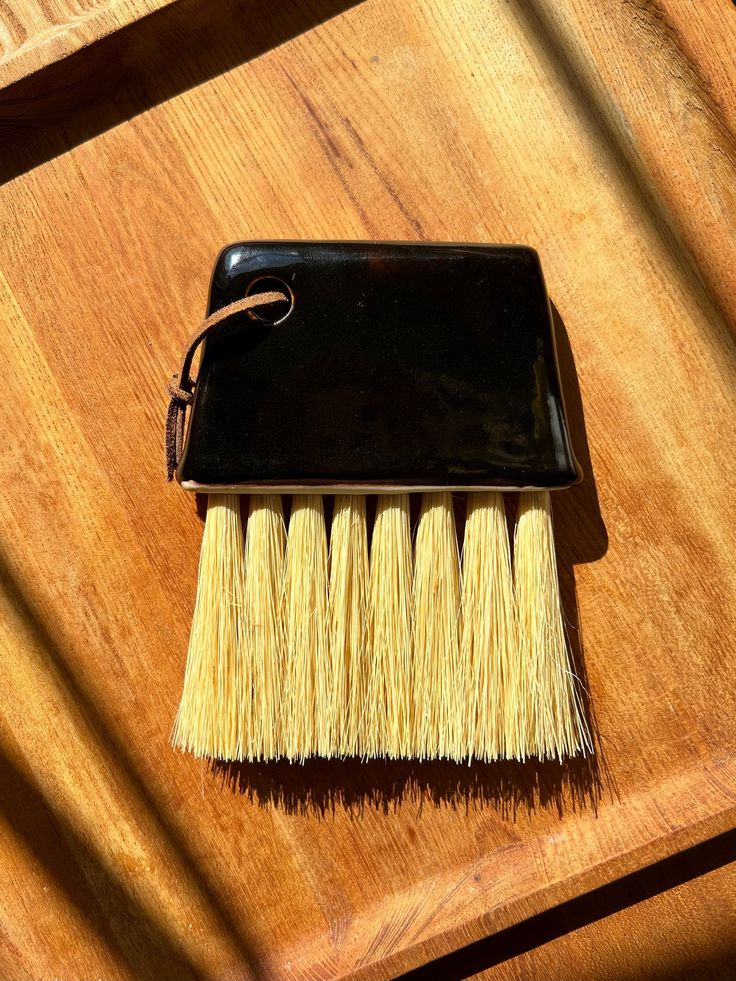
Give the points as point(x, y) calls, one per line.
point(600, 133)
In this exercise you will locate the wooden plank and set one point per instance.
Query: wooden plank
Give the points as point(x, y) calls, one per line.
point(467, 121)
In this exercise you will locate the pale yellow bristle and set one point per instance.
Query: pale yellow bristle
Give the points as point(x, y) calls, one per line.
point(440, 689)
point(549, 703)
point(307, 726)
point(489, 651)
point(385, 724)
point(263, 648)
point(347, 618)
point(209, 721)
point(379, 658)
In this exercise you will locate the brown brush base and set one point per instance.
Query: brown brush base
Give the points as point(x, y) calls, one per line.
point(379, 646)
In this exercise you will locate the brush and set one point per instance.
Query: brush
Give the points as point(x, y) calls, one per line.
point(397, 401)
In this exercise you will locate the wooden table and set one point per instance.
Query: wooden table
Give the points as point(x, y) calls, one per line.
point(138, 139)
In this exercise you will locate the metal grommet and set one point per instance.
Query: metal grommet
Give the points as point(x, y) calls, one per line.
point(271, 313)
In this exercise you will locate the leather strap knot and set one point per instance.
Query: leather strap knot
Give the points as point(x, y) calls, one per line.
point(181, 386)
point(178, 393)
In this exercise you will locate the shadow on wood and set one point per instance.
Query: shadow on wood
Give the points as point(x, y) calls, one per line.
point(89, 881)
point(71, 862)
point(580, 534)
point(543, 29)
point(589, 908)
point(321, 787)
point(140, 66)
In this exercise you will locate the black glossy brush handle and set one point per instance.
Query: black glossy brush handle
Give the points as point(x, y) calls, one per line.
point(399, 364)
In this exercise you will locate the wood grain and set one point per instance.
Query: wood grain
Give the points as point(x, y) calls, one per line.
point(672, 920)
point(465, 121)
point(684, 934)
point(37, 33)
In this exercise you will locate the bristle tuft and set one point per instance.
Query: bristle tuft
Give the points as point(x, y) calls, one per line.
point(489, 650)
point(385, 724)
point(263, 648)
point(307, 726)
point(555, 725)
point(347, 618)
point(439, 688)
point(208, 722)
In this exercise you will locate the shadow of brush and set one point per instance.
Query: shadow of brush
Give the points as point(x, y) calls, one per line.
point(580, 534)
point(322, 786)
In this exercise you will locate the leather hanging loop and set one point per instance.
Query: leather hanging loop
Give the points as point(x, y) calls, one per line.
point(181, 385)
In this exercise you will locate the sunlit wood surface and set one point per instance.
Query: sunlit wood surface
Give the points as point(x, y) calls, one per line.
point(600, 133)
